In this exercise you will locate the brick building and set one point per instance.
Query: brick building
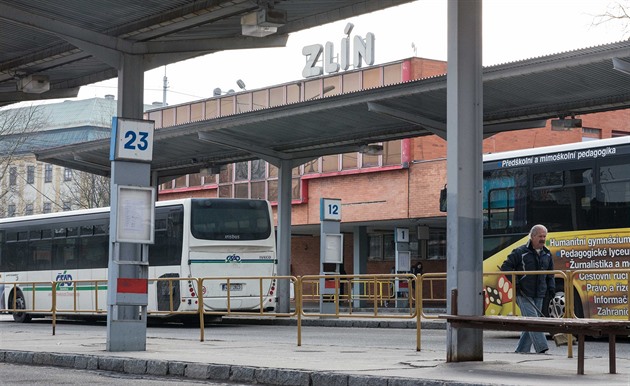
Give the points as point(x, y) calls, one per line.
point(398, 188)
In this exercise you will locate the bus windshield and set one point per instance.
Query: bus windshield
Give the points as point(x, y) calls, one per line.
point(228, 219)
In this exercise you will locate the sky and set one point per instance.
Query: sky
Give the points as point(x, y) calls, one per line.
point(512, 30)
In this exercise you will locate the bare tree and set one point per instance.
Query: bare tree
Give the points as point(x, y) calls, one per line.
point(16, 127)
point(616, 12)
point(86, 190)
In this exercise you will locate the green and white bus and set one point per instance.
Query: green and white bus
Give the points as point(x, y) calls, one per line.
point(194, 238)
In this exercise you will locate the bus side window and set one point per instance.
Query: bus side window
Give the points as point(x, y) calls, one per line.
point(499, 211)
point(41, 253)
point(562, 199)
point(614, 197)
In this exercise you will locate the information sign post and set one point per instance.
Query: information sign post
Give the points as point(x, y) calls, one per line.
point(402, 265)
point(131, 231)
point(331, 252)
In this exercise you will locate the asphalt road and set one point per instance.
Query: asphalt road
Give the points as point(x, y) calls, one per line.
point(12, 374)
point(350, 339)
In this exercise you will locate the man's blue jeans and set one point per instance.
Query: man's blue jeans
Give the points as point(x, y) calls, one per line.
point(526, 304)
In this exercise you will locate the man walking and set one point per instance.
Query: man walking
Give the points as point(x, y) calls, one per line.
point(531, 289)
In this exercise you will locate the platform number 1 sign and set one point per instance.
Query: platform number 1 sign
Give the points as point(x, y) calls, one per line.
point(330, 209)
point(132, 139)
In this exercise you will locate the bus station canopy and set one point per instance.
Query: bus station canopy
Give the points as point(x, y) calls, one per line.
point(517, 95)
point(49, 49)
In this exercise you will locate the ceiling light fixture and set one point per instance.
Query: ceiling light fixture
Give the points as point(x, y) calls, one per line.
point(372, 149)
point(564, 124)
point(263, 22)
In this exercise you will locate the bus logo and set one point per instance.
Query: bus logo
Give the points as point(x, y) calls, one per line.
point(233, 258)
point(61, 277)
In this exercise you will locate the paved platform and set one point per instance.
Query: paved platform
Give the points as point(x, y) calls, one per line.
point(309, 364)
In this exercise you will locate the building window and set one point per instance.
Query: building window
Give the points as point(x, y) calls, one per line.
point(67, 206)
point(241, 171)
point(11, 210)
point(437, 244)
point(48, 172)
point(389, 247)
point(28, 210)
point(591, 134)
point(375, 251)
point(67, 174)
point(392, 153)
point(30, 174)
point(194, 179)
point(617, 133)
point(259, 170)
point(12, 176)
point(47, 207)
point(180, 182)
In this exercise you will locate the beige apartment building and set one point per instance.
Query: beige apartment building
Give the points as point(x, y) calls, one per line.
point(30, 187)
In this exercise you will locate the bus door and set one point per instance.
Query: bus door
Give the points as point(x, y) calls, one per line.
point(65, 249)
point(92, 250)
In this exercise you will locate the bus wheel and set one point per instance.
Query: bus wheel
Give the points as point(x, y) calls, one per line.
point(20, 303)
point(557, 306)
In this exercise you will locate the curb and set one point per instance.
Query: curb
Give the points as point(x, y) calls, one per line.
point(214, 372)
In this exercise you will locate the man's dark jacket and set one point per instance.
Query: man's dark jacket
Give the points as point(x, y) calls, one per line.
point(525, 258)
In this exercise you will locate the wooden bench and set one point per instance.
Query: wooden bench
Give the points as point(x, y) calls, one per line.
point(578, 327)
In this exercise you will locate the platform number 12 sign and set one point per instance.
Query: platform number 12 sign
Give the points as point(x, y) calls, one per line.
point(132, 139)
point(330, 209)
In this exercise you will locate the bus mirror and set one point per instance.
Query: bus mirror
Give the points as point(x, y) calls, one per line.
point(443, 199)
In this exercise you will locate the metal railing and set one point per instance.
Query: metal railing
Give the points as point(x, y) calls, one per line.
point(345, 296)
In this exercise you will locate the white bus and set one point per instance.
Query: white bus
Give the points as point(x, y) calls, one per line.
point(194, 238)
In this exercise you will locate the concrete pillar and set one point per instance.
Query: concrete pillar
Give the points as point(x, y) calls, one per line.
point(284, 233)
point(126, 324)
point(464, 173)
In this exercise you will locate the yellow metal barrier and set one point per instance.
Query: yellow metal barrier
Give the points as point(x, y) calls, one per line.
point(343, 289)
point(311, 290)
point(76, 285)
point(333, 296)
point(262, 295)
point(431, 278)
point(557, 274)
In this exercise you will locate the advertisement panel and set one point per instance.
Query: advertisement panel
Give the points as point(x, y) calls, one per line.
point(598, 260)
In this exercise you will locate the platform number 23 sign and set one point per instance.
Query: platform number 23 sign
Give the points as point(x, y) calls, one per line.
point(134, 139)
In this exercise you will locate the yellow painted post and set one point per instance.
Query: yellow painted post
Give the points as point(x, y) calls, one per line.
point(418, 296)
point(569, 311)
point(298, 309)
point(514, 289)
point(200, 309)
point(54, 307)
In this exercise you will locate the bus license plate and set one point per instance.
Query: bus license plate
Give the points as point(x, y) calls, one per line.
point(233, 286)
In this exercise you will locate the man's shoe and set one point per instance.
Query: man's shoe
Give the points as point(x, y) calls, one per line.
point(543, 351)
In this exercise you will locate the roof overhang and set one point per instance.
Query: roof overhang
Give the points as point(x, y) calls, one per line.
point(516, 96)
point(69, 49)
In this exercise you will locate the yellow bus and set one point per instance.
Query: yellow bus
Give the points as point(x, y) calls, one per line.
point(581, 193)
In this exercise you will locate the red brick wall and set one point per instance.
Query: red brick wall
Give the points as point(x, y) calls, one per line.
point(426, 180)
point(426, 68)
point(364, 196)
